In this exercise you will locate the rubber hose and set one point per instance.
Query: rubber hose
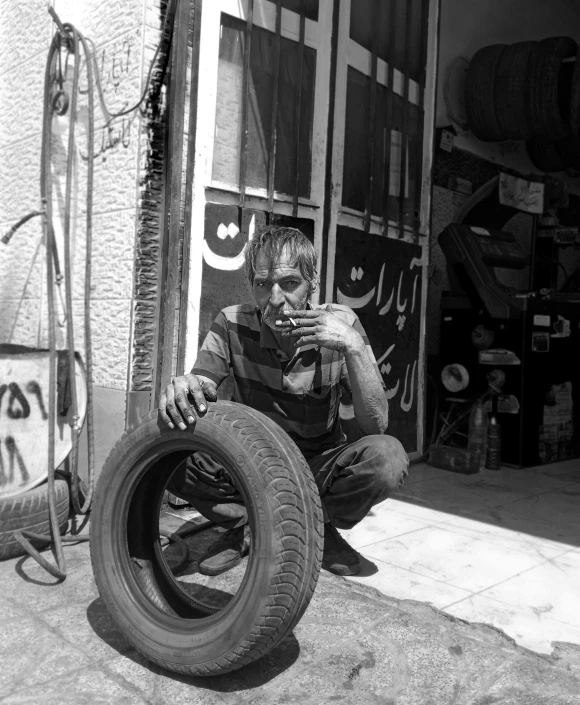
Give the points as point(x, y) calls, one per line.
point(46, 195)
point(70, 337)
point(6, 238)
point(176, 538)
point(54, 276)
point(87, 302)
point(77, 38)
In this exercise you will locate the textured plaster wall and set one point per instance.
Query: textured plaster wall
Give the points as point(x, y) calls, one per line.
point(125, 35)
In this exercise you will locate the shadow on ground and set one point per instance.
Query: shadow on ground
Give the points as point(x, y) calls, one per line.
point(257, 674)
point(537, 502)
point(353, 645)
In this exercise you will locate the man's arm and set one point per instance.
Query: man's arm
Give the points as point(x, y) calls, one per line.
point(210, 370)
point(371, 408)
point(329, 330)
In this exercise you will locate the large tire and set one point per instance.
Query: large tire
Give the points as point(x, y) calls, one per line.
point(30, 511)
point(285, 518)
point(548, 115)
point(510, 95)
point(480, 90)
point(575, 97)
point(547, 155)
point(569, 149)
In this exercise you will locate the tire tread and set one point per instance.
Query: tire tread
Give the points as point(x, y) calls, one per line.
point(29, 511)
point(300, 535)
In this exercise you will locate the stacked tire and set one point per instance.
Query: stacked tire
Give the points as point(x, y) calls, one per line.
point(29, 511)
point(528, 91)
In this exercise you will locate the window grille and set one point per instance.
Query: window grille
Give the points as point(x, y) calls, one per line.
point(385, 94)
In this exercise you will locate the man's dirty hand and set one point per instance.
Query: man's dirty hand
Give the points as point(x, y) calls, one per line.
point(185, 399)
point(321, 327)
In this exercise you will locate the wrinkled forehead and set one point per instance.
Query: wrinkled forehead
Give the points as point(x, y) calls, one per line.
point(271, 262)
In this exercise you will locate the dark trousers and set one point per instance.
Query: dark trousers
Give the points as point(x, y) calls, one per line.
point(351, 479)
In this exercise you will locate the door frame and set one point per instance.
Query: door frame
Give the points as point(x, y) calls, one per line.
point(322, 207)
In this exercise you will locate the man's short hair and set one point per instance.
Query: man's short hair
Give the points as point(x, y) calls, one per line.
point(272, 240)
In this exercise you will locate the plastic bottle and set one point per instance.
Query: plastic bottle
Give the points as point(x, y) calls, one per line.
point(493, 445)
point(477, 439)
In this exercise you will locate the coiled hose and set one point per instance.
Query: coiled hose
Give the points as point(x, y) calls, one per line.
point(75, 40)
point(59, 103)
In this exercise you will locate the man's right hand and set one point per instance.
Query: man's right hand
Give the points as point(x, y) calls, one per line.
point(175, 407)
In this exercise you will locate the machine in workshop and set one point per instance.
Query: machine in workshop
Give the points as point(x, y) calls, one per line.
point(532, 336)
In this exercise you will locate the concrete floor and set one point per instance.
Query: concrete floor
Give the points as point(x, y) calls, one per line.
point(457, 542)
point(497, 547)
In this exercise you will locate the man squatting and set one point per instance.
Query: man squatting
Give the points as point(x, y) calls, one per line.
point(290, 360)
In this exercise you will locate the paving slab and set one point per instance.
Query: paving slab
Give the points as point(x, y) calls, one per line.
point(353, 646)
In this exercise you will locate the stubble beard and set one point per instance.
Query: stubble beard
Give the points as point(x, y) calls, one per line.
point(270, 314)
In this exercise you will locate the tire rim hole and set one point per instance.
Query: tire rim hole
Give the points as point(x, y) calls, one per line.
point(165, 561)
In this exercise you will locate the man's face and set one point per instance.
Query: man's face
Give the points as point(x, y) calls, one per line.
point(278, 285)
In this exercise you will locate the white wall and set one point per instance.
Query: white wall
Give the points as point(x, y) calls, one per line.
point(125, 34)
point(117, 31)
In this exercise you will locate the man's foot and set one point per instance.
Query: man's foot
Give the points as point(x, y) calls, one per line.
point(225, 553)
point(176, 502)
point(338, 558)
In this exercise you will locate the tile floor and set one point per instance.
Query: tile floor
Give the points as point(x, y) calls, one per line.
point(497, 547)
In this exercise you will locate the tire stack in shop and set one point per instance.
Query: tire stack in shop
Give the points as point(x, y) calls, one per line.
point(528, 91)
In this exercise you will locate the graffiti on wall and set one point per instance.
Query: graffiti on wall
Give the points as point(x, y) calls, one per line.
point(116, 64)
point(227, 231)
point(24, 420)
point(380, 279)
point(226, 235)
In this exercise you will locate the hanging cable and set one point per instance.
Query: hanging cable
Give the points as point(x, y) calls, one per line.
point(87, 319)
point(58, 571)
point(59, 102)
point(167, 22)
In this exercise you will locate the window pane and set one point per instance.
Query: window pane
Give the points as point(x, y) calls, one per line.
point(414, 143)
point(296, 6)
point(226, 160)
point(362, 27)
point(228, 123)
point(288, 93)
point(356, 166)
point(356, 162)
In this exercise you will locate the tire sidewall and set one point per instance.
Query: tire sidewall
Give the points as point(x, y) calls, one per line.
point(146, 626)
point(510, 95)
point(480, 93)
point(29, 511)
point(575, 98)
point(542, 89)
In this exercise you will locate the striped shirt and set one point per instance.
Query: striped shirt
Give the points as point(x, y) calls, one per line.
point(302, 394)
